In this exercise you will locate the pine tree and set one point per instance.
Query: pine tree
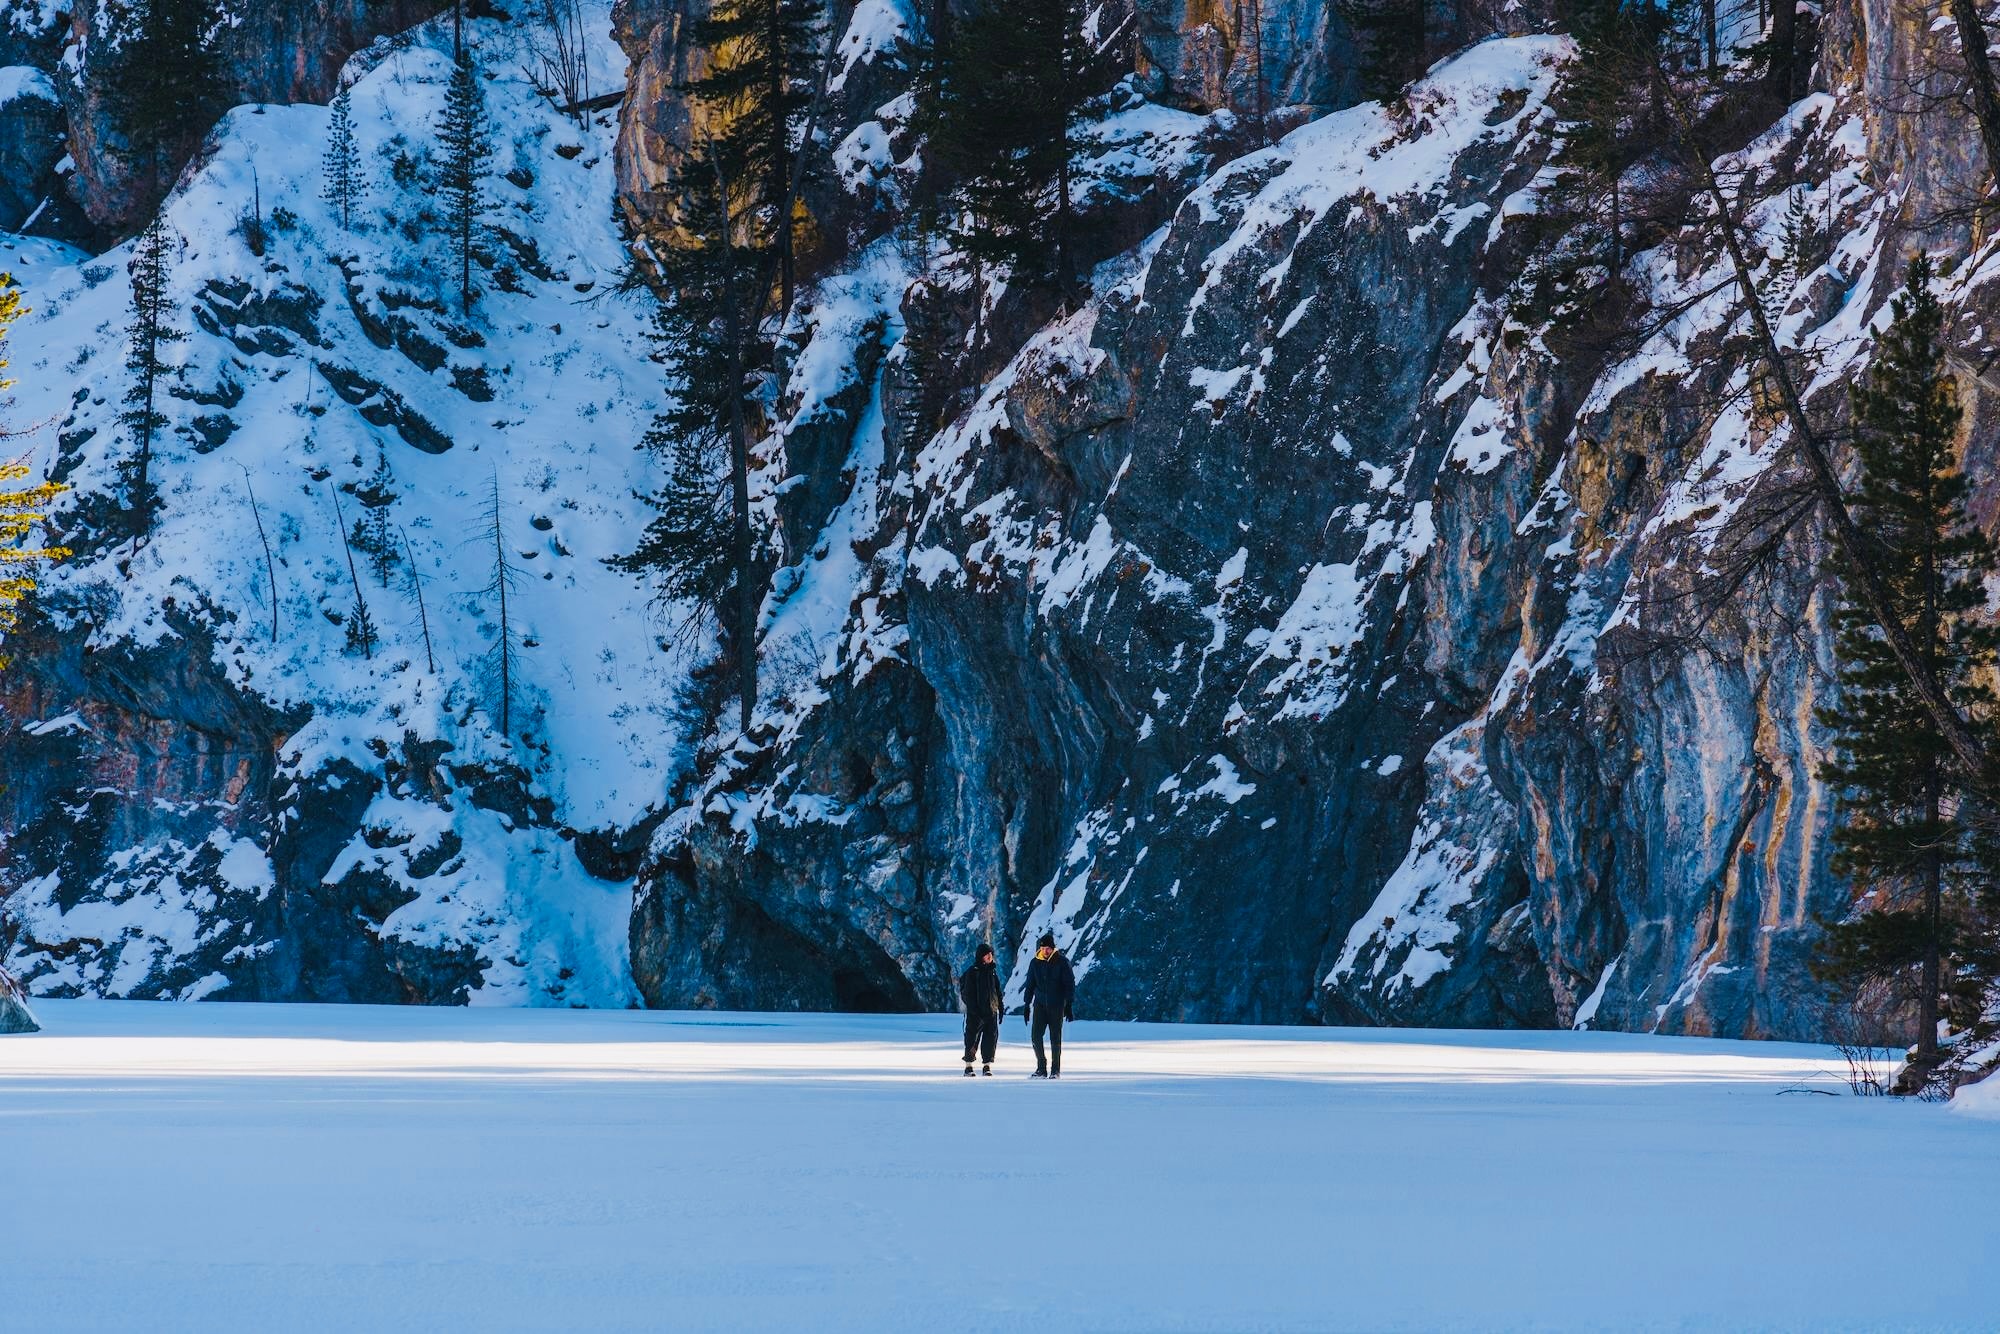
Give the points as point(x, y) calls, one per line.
point(361, 632)
point(1388, 42)
point(374, 535)
point(465, 153)
point(147, 337)
point(343, 161)
point(168, 80)
point(1011, 81)
point(699, 547)
point(23, 509)
point(1904, 841)
point(753, 102)
point(730, 249)
point(686, 546)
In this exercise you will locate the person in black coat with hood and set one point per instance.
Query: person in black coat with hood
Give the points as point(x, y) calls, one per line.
point(1051, 996)
point(981, 990)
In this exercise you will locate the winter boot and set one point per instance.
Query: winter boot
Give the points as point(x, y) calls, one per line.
point(968, 1069)
point(1039, 1074)
point(986, 1069)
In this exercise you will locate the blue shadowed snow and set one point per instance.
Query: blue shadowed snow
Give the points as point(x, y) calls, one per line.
point(224, 1167)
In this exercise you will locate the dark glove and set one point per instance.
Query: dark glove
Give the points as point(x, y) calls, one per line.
point(1069, 1015)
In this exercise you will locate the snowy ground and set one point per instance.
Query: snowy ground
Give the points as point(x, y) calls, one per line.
point(221, 1167)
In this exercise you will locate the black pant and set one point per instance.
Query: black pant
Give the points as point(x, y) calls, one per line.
point(1050, 1022)
point(983, 1032)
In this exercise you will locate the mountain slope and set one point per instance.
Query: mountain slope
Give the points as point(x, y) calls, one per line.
point(213, 807)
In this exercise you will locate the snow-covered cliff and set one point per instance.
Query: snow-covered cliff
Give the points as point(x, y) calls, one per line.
point(1283, 628)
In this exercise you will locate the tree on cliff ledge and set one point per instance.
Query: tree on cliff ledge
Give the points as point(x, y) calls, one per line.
point(166, 77)
point(1011, 81)
point(753, 103)
point(1905, 841)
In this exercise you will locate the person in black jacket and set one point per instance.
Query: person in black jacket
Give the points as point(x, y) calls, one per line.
point(1050, 997)
point(980, 989)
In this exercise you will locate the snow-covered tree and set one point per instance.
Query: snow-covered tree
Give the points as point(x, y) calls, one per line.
point(465, 153)
point(343, 161)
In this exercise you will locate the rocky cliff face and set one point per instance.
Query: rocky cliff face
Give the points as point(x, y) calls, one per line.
point(216, 784)
point(1295, 628)
point(1294, 632)
point(66, 166)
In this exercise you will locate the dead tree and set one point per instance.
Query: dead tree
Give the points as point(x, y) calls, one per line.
point(270, 565)
point(1811, 451)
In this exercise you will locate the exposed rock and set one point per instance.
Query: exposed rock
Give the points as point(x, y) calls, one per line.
point(15, 1016)
point(1185, 593)
point(31, 144)
point(272, 52)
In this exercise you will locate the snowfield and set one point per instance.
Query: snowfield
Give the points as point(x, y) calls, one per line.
point(224, 1167)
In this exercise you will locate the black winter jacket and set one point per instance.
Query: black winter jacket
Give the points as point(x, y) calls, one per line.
point(980, 989)
point(1051, 985)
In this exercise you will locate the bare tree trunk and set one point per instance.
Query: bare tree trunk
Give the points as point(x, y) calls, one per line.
point(1979, 73)
point(781, 165)
point(142, 491)
point(1257, 68)
point(423, 615)
point(364, 629)
point(1966, 748)
point(1065, 258)
point(270, 566)
point(1933, 965)
point(740, 545)
point(502, 576)
point(787, 240)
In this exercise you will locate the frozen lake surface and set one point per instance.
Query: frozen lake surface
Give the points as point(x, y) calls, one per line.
point(241, 1167)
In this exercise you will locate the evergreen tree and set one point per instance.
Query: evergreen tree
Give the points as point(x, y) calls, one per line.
point(361, 633)
point(699, 547)
point(374, 535)
point(753, 102)
point(1904, 841)
point(167, 78)
point(343, 161)
point(730, 248)
point(1610, 121)
point(1388, 42)
point(23, 509)
point(1012, 79)
point(465, 154)
point(147, 337)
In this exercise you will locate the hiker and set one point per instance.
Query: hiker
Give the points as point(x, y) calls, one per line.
point(1050, 996)
point(980, 988)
